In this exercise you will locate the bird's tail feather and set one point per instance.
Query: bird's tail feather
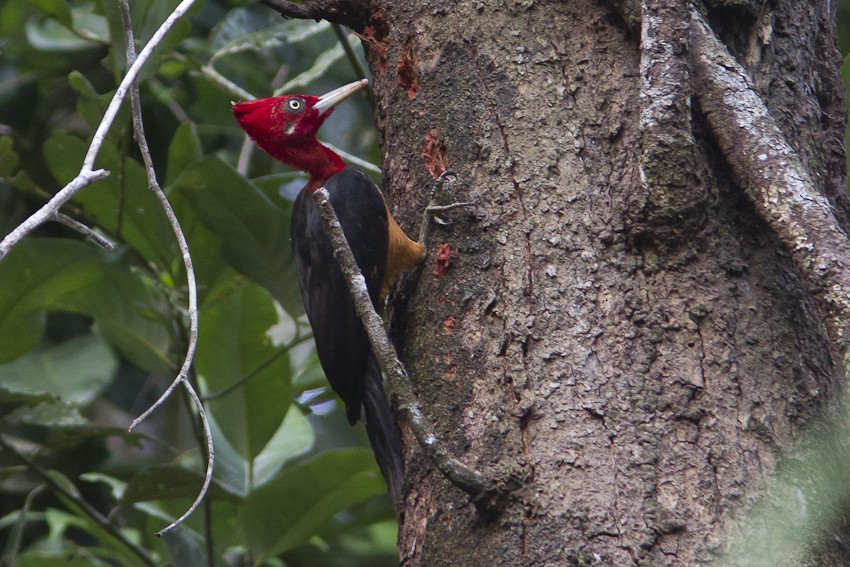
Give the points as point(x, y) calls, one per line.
point(383, 432)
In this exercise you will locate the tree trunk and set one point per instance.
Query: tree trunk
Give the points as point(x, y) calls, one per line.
point(613, 315)
point(649, 307)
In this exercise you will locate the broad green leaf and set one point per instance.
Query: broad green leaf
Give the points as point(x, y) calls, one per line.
point(20, 332)
point(92, 105)
point(205, 247)
point(237, 32)
point(234, 349)
point(53, 273)
point(112, 548)
point(231, 469)
point(50, 35)
point(309, 374)
point(185, 548)
point(282, 188)
point(36, 274)
point(254, 232)
point(167, 482)
point(285, 512)
point(58, 9)
point(75, 371)
point(12, 397)
point(124, 309)
point(8, 157)
point(70, 558)
point(122, 204)
point(89, 24)
point(49, 414)
point(294, 438)
point(184, 150)
point(115, 485)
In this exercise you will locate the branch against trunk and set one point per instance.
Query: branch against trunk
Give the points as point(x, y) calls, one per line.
point(485, 488)
point(774, 179)
point(769, 170)
point(351, 13)
point(667, 164)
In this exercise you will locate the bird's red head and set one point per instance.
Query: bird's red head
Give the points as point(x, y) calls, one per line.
point(286, 126)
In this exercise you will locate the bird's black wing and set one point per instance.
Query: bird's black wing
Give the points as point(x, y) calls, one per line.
point(341, 340)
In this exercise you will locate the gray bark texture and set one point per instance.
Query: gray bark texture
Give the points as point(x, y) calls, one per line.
point(622, 315)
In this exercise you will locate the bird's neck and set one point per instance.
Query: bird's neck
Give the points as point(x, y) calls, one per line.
point(309, 155)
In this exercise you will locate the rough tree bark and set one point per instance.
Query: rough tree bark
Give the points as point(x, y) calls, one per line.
point(616, 316)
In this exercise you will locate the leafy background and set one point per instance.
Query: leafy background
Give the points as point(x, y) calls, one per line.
point(90, 338)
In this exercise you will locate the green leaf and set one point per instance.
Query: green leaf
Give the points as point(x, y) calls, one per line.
point(36, 274)
point(167, 482)
point(121, 204)
point(47, 559)
point(75, 371)
point(273, 187)
point(184, 150)
point(49, 414)
point(113, 548)
point(285, 512)
point(124, 308)
point(12, 397)
point(294, 438)
point(58, 9)
point(185, 548)
point(51, 36)
point(231, 469)
point(254, 232)
point(233, 346)
point(309, 374)
point(8, 157)
point(89, 24)
point(54, 273)
point(115, 485)
point(92, 105)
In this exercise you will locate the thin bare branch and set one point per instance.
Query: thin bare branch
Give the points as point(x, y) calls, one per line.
point(480, 485)
point(226, 84)
point(89, 233)
point(78, 500)
point(359, 69)
point(182, 376)
point(51, 208)
point(87, 175)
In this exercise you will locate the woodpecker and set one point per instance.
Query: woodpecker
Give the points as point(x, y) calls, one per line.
point(285, 127)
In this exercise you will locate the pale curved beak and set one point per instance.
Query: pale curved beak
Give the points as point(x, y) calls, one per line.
point(331, 99)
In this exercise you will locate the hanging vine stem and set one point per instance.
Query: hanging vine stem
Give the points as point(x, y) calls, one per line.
point(183, 375)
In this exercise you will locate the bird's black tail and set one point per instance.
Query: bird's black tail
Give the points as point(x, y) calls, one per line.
point(383, 432)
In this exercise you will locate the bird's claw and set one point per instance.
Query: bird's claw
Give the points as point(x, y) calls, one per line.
point(433, 209)
point(446, 178)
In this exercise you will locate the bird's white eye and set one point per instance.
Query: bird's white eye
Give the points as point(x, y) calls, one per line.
point(295, 104)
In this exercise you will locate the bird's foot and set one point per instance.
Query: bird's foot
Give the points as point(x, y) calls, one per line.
point(432, 211)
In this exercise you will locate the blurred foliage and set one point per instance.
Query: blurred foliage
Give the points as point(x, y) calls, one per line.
point(90, 338)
